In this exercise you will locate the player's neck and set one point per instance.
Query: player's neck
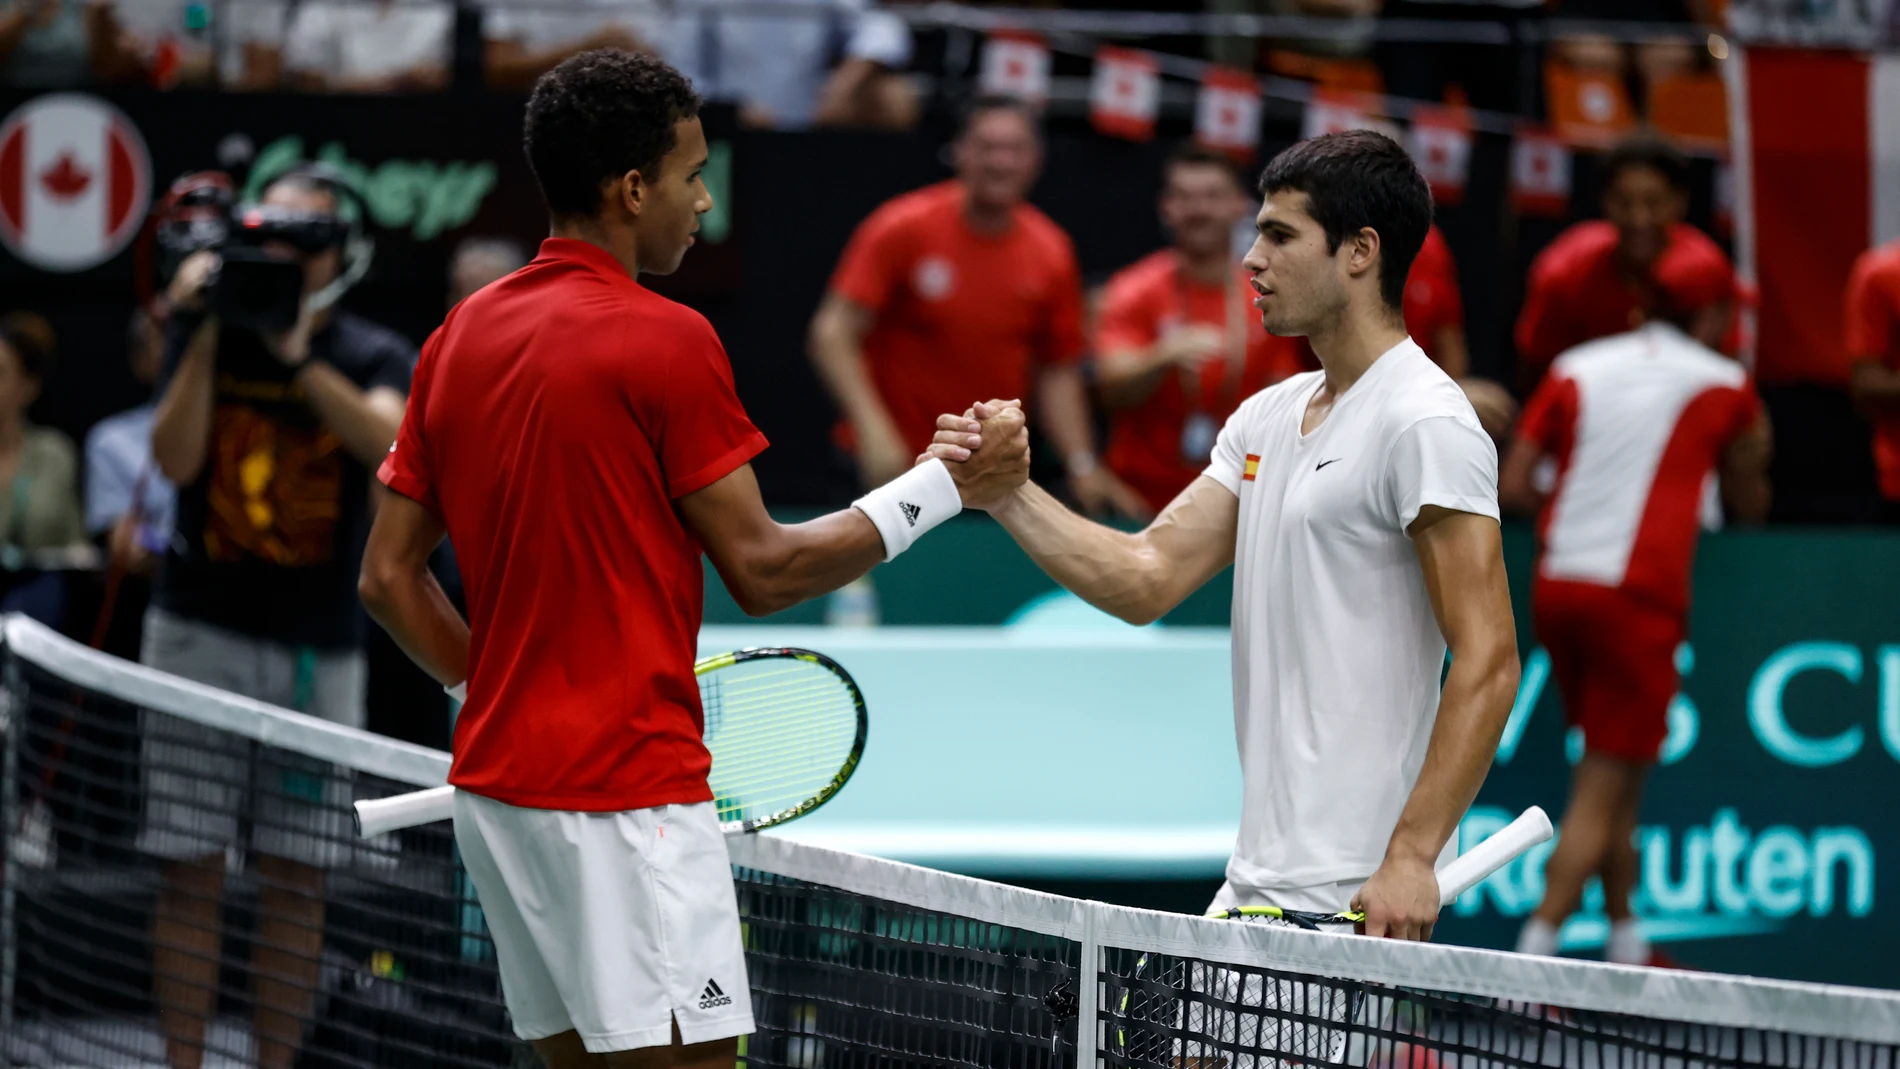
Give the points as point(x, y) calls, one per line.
point(987, 219)
point(617, 243)
point(1207, 268)
point(1349, 346)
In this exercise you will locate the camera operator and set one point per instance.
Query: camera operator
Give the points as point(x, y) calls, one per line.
point(270, 436)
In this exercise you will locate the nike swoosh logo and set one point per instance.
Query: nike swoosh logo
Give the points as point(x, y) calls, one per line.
point(1323, 463)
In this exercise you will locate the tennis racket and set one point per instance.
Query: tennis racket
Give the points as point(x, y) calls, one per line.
point(1175, 1011)
point(786, 729)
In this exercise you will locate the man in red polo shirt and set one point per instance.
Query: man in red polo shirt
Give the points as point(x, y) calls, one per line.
point(1178, 346)
point(578, 439)
point(959, 290)
point(1873, 344)
point(1605, 276)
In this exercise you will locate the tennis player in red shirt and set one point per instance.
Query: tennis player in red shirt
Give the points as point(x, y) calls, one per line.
point(1873, 344)
point(959, 290)
point(578, 439)
point(1178, 345)
point(1606, 276)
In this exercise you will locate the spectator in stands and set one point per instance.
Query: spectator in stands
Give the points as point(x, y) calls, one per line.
point(1602, 277)
point(1487, 73)
point(839, 65)
point(478, 261)
point(129, 502)
point(1178, 345)
point(1434, 309)
point(60, 44)
point(270, 439)
point(39, 511)
point(524, 39)
point(1656, 57)
point(962, 290)
point(353, 46)
point(1611, 594)
point(1873, 344)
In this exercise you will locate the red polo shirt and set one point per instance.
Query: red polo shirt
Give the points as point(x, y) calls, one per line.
point(1873, 333)
point(1433, 300)
point(554, 419)
point(958, 316)
point(1577, 293)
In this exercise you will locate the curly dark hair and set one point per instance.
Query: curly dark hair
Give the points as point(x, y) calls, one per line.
point(31, 338)
point(597, 116)
point(1646, 150)
point(1356, 179)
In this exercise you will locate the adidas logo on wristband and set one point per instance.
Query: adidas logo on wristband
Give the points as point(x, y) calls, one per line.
point(910, 512)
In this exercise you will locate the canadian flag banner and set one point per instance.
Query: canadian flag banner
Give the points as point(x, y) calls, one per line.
point(1332, 111)
point(1440, 143)
point(1015, 65)
point(1801, 222)
point(1125, 93)
point(75, 180)
point(1227, 115)
point(1540, 173)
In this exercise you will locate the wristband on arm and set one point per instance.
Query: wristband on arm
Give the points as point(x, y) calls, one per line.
point(911, 504)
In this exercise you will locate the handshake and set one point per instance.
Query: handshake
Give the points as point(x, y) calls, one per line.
point(986, 451)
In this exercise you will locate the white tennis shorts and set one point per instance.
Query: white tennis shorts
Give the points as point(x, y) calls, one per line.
point(615, 925)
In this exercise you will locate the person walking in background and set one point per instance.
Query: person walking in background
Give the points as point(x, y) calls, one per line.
point(1604, 276)
point(1873, 344)
point(959, 290)
point(270, 438)
point(1635, 424)
point(1177, 344)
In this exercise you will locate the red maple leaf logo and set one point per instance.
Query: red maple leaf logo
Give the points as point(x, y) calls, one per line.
point(65, 180)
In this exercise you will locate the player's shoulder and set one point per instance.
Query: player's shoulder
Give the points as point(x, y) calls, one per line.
point(1413, 388)
point(1043, 233)
point(917, 209)
point(1290, 391)
point(1142, 277)
point(1879, 264)
point(669, 317)
point(1578, 249)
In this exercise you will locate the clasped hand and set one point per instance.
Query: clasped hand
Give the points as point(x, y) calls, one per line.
point(986, 451)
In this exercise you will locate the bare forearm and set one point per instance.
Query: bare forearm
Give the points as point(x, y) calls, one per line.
point(412, 607)
point(1065, 411)
point(839, 360)
point(366, 426)
point(1115, 571)
point(181, 429)
point(1126, 379)
point(797, 562)
point(1472, 710)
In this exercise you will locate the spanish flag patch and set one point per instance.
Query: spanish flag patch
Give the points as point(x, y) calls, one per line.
point(1252, 469)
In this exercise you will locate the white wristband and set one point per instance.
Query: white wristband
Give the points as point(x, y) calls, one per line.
point(459, 692)
point(907, 506)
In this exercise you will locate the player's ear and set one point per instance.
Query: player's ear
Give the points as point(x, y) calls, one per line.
point(1362, 251)
point(627, 193)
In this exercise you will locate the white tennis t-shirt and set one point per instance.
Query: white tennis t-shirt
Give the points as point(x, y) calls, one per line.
point(1337, 656)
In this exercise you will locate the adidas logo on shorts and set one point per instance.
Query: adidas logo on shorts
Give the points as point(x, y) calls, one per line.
point(713, 996)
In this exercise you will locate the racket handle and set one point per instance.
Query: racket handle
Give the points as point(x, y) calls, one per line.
point(1531, 827)
point(382, 815)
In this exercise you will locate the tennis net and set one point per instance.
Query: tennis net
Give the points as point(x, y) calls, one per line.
point(122, 787)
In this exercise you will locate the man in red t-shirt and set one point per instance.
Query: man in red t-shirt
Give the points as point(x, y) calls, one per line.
point(1873, 344)
point(959, 290)
point(579, 440)
point(1635, 424)
point(1603, 277)
point(1178, 347)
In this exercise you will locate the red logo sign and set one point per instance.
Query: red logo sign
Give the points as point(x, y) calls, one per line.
point(75, 180)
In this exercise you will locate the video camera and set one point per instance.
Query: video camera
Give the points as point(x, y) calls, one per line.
point(258, 286)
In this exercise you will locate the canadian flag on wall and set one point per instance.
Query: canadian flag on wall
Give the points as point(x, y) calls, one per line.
point(1125, 93)
point(1540, 173)
point(1227, 115)
point(75, 180)
point(1440, 143)
point(1015, 65)
point(1816, 182)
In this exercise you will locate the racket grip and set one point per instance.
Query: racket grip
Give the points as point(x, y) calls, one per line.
point(382, 815)
point(1531, 827)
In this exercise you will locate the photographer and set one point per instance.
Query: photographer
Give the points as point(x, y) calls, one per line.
point(269, 432)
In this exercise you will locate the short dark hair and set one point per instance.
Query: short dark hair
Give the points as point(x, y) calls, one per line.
point(1647, 150)
point(991, 102)
point(1356, 179)
point(32, 340)
point(1195, 154)
point(313, 178)
point(597, 116)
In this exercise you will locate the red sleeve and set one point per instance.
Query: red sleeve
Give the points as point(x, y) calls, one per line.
point(407, 469)
point(1125, 320)
point(1550, 416)
point(1063, 338)
point(705, 434)
point(1541, 333)
point(871, 268)
point(1870, 316)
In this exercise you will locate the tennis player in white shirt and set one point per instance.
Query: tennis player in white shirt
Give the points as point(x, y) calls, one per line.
point(1358, 505)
